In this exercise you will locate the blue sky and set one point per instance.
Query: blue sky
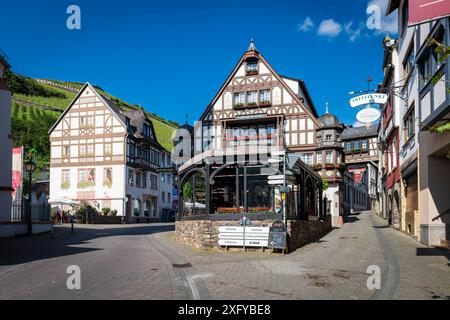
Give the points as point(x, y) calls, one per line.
point(173, 56)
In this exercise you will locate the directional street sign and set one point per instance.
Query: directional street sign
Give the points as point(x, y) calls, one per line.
point(279, 177)
point(276, 182)
point(275, 161)
point(278, 153)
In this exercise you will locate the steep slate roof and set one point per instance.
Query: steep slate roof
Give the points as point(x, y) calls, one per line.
point(360, 132)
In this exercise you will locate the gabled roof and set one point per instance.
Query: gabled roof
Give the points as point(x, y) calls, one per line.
point(252, 52)
point(109, 104)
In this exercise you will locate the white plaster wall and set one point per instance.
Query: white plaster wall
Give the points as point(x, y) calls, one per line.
point(101, 191)
point(293, 85)
point(241, 71)
point(263, 68)
point(330, 194)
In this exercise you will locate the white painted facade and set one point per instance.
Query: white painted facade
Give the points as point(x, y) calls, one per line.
point(94, 158)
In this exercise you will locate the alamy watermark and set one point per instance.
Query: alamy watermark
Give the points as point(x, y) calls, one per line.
point(73, 282)
point(374, 280)
point(73, 22)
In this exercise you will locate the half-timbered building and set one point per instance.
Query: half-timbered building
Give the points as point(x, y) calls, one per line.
point(107, 156)
point(256, 116)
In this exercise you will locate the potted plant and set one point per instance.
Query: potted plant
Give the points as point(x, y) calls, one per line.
point(106, 211)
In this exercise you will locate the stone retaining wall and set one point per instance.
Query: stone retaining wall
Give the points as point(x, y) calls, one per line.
point(204, 234)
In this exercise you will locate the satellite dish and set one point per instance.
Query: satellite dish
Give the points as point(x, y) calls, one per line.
point(368, 115)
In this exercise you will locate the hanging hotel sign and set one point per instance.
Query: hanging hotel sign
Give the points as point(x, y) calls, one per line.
point(422, 11)
point(368, 115)
point(379, 98)
point(244, 237)
point(358, 174)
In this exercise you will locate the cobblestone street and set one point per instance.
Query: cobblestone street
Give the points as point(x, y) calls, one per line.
point(144, 262)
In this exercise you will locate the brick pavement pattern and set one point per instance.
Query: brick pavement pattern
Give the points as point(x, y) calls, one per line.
point(145, 262)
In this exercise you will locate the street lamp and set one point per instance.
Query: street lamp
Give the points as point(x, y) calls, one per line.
point(30, 167)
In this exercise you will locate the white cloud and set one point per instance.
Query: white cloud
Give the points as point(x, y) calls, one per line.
point(353, 34)
point(388, 23)
point(329, 28)
point(307, 25)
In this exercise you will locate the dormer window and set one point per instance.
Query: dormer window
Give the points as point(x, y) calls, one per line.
point(252, 68)
point(146, 130)
point(328, 137)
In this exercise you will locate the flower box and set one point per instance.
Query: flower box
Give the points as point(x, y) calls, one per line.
point(85, 184)
point(329, 166)
point(252, 72)
point(65, 185)
point(229, 211)
point(340, 166)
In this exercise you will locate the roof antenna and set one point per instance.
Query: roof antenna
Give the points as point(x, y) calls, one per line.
point(187, 115)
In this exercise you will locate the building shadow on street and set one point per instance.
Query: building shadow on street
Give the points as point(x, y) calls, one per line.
point(351, 218)
point(24, 249)
point(433, 252)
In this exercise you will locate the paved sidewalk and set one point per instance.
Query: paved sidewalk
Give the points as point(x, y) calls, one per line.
point(144, 262)
point(116, 262)
point(334, 268)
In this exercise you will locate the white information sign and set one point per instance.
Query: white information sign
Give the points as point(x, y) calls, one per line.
point(379, 98)
point(368, 115)
point(234, 236)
